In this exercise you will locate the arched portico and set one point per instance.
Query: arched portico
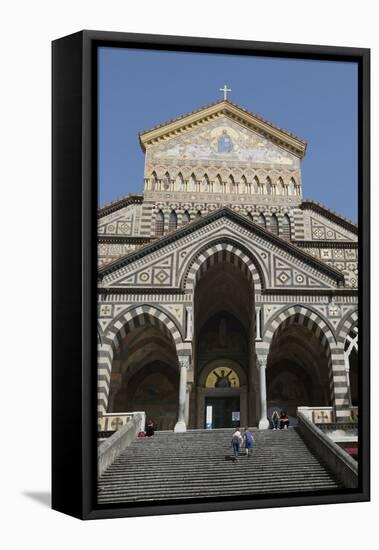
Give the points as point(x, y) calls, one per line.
point(329, 350)
point(223, 279)
point(141, 344)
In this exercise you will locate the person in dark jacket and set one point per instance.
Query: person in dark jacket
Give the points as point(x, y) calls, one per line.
point(149, 427)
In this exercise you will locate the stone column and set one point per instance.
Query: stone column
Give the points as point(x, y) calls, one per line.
point(184, 364)
point(188, 324)
point(347, 371)
point(186, 408)
point(263, 421)
point(258, 334)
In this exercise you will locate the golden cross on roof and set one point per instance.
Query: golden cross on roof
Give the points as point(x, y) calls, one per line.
point(225, 89)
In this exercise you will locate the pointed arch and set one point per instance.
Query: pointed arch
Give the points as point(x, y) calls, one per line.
point(186, 218)
point(280, 186)
point(205, 184)
point(231, 184)
point(286, 227)
point(153, 181)
point(261, 220)
point(268, 187)
point(292, 187)
point(172, 221)
point(159, 223)
point(179, 182)
point(256, 185)
point(244, 185)
point(191, 186)
point(217, 184)
point(274, 225)
point(166, 182)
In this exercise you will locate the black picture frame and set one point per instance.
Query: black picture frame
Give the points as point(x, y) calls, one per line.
point(74, 205)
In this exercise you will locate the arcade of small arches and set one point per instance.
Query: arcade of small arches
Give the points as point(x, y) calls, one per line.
point(224, 359)
point(257, 185)
point(166, 222)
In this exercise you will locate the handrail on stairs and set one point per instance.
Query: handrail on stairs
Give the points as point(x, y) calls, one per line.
point(112, 447)
point(338, 461)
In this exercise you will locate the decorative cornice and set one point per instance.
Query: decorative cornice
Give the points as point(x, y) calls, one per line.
point(140, 290)
point(132, 198)
point(119, 239)
point(175, 126)
point(330, 214)
point(326, 244)
point(205, 220)
point(310, 292)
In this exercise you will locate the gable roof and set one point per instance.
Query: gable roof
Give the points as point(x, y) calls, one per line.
point(330, 214)
point(132, 198)
point(253, 121)
point(201, 222)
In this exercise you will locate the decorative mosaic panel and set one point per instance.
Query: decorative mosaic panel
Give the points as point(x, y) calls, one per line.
point(221, 140)
point(122, 222)
point(343, 259)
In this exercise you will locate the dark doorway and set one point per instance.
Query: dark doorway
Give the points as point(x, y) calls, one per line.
point(225, 411)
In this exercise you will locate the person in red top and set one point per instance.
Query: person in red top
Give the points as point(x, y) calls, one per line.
point(284, 420)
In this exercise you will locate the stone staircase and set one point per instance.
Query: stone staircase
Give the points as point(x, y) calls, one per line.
point(197, 463)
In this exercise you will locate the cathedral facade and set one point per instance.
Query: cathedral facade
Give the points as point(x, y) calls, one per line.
point(222, 293)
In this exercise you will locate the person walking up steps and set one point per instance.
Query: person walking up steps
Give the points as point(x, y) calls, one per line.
point(249, 442)
point(236, 443)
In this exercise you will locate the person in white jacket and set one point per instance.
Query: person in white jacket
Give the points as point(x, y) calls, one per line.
point(237, 441)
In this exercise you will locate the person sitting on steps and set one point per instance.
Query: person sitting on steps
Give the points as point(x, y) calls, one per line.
point(275, 420)
point(284, 420)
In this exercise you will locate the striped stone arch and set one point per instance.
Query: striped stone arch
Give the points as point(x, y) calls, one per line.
point(338, 383)
point(224, 251)
point(302, 316)
point(133, 318)
point(346, 325)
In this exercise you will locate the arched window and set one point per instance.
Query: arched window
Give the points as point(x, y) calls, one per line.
point(231, 185)
point(274, 226)
point(205, 185)
point(286, 226)
point(250, 216)
point(159, 224)
point(256, 185)
point(291, 188)
point(192, 183)
point(280, 187)
point(198, 214)
point(186, 218)
point(172, 221)
point(153, 182)
point(261, 220)
point(179, 183)
point(218, 184)
point(166, 181)
point(268, 186)
point(243, 186)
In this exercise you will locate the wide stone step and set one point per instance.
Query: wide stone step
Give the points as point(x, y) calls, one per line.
point(178, 493)
point(198, 464)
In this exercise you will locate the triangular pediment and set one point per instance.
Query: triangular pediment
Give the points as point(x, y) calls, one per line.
point(163, 265)
point(222, 140)
point(228, 111)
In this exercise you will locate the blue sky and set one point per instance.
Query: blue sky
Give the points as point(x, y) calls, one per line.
point(316, 100)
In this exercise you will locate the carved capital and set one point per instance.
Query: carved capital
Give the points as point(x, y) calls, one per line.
point(262, 361)
point(184, 361)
